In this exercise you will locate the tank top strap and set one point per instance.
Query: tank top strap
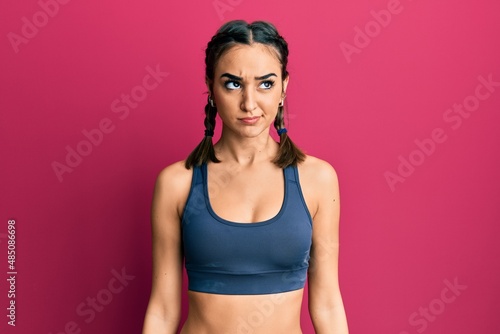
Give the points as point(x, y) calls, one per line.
point(196, 198)
point(291, 174)
point(199, 174)
point(295, 189)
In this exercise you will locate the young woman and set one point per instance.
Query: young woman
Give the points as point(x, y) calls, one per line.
point(248, 230)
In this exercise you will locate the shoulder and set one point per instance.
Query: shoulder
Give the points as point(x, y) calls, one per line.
point(174, 180)
point(319, 183)
point(317, 172)
point(175, 173)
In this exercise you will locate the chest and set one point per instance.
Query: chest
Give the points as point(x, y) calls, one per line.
point(281, 242)
point(246, 197)
point(279, 238)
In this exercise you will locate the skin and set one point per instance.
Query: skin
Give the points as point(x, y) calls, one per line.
point(246, 187)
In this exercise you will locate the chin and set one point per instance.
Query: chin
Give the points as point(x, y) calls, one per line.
point(253, 132)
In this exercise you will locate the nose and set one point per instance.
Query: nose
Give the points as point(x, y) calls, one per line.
point(248, 102)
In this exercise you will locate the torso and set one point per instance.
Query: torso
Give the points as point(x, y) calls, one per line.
point(247, 196)
point(256, 314)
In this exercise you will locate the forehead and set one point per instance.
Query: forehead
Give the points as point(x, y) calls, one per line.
point(253, 60)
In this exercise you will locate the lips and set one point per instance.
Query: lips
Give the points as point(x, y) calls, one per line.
point(250, 120)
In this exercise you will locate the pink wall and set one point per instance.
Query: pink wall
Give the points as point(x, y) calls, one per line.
point(402, 97)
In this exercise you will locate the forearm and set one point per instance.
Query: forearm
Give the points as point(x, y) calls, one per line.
point(154, 324)
point(330, 321)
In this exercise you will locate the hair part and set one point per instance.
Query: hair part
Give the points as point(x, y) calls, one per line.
point(230, 34)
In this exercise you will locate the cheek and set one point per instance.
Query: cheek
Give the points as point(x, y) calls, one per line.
point(223, 96)
point(225, 104)
point(270, 103)
point(270, 106)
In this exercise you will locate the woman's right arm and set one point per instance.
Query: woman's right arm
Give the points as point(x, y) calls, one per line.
point(164, 309)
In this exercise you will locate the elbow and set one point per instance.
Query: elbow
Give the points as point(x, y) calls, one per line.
point(329, 318)
point(161, 320)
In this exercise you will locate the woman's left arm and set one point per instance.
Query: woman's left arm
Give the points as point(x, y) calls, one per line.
point(325, 301)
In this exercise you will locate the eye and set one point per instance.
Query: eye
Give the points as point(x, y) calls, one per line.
point(232, 85)
point(267, 84)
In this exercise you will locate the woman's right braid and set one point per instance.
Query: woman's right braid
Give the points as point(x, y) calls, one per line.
point(210, 113)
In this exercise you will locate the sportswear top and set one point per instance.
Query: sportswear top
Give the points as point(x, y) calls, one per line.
point(225, 257)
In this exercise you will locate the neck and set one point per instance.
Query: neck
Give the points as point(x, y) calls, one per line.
point(246, 151)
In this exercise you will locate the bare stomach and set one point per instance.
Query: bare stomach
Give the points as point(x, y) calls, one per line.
point(244, 314)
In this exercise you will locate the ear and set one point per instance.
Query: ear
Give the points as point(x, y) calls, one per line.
point(285, 83)
point(209, 85)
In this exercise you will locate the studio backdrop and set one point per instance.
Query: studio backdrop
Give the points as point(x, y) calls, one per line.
point(402, 97)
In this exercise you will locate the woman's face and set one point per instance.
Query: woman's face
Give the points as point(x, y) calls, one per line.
point(248, 88)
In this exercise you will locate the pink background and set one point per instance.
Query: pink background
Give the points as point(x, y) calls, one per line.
point(405, 236)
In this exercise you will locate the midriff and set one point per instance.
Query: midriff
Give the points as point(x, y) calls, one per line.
point(244, 314)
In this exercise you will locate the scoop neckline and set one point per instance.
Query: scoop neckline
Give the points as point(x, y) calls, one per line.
point(243, 224)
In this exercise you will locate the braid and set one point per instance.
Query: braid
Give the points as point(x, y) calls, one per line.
point(279, 122)
point(288, 152)
point(210, 114)
point(205, 152)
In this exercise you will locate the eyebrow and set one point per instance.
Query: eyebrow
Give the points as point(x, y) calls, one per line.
point(237, 78)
